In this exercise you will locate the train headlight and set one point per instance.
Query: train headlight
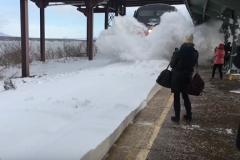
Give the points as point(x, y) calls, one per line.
point(149, 31)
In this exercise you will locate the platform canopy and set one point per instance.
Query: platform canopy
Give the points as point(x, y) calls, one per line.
point(203, 10)
point(126, 3)
point(227, 11)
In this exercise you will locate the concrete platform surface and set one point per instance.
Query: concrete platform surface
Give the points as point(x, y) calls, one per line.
point(210, 135)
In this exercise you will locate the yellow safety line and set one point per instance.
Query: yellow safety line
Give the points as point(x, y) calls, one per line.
point(143, 153)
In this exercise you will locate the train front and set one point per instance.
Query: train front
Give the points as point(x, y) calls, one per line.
point(150, 15)
point(151, 24)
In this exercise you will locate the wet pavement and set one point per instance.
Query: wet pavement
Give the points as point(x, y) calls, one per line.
point(211, 134)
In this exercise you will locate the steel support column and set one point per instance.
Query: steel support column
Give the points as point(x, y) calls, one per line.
point(117, 10)
point(234, 44)
point(24, 37)
point(124, 10)
point(226, 32)
point(90, 4)
point(106, 16)
point(42, 34)
point(90, 32)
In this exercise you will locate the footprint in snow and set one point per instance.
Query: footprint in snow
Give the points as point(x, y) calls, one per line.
point(121, 106)
point(29, 99)
point(74, 99)
point(87, 101)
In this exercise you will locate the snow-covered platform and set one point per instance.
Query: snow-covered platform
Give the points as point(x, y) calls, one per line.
point(71, 107)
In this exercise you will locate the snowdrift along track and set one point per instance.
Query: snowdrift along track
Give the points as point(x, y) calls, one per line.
point(100, 151)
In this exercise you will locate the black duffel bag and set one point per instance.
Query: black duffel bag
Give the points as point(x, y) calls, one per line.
point(164, 79)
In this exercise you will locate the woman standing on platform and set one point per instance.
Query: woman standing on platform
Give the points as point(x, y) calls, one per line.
point(182, 64)
point(219, 61)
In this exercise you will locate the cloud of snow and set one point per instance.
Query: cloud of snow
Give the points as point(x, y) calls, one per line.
point(124, 42)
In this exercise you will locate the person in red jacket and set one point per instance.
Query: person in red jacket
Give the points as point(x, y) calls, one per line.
point(219, 61)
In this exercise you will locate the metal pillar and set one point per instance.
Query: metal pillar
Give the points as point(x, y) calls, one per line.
point(117, 10)
point(24, 37)
point(124, 10)
point(234, 44)
point(90, 4)
point(42, 34)
point(90, 32)
point(226, 32)
point(106, 16)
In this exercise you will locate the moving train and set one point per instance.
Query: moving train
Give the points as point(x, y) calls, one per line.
point(150, 15)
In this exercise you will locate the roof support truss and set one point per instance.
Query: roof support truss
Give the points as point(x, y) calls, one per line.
point(211, 14)
point(233, 4)
point(204, 8)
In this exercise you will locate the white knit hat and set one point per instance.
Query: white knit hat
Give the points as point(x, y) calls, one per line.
point(188, 38)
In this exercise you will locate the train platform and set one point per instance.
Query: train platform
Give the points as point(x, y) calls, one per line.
point(210, 135)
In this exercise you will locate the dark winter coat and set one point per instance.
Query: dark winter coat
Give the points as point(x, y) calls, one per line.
point(228, 50)
point(182, 64)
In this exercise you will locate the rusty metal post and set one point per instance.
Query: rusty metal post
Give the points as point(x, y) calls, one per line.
point(90, 32)
point(42, 34)
point(106, 15)
point(24, 37)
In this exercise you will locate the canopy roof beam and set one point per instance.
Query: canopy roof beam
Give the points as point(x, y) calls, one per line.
point(233, 4)
point(212, 14)
point(204, 8)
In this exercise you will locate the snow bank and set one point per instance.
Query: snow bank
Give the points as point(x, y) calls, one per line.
point(64, 114)
point(123, 42)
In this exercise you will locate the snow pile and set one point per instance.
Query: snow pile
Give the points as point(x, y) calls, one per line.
point(161, 42)
point(216, 130)
point(236, 91)
point(71, 108)
point(123, 40)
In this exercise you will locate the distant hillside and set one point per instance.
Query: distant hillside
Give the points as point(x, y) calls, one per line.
point(6, 38)
point(3, 34)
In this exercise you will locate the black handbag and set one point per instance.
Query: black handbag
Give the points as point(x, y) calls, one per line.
point(164, 79)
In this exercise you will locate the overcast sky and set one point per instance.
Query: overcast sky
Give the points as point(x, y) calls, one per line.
point(60, 21)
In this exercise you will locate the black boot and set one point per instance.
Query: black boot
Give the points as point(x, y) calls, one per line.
point(187, 117)
point(175, 119)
